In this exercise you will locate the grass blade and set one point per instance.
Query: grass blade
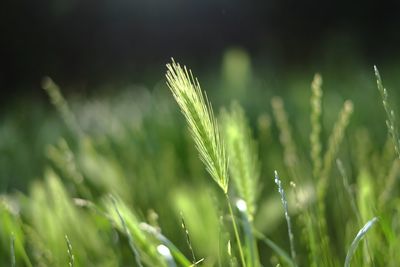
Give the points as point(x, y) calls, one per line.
point(12, 250)
point(360, 235)
point(166, 253)
point(189, 243)
point(235, 229)
point(127, 233)
point(250, 243)
point(277, 249)
point(176, 253)
point(287, 217)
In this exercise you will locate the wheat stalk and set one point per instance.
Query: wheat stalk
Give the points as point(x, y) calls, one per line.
point(335, 139)
point(12, 250)
point(204, 128)
point(58, 100)
point(391, 122)
point(289, 147)
point(315, 140)
point(243, 156)
point(71, 256)
point(287, 217)
point(200, 118)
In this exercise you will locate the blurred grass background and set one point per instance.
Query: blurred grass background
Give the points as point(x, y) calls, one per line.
point(29, 125)
point(131, 141)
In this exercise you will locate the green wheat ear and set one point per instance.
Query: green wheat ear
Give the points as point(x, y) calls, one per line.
point(316, 111)
point(391, 121)
point(243, 155)
point(58, 100)
point(200, 118)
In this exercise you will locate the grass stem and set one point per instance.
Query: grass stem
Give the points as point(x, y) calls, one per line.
point(12, 248)
point(235, 229)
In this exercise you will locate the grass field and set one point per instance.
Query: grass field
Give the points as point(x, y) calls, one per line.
point(244, 170)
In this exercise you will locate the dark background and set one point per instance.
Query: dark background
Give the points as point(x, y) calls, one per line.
point(84, 44)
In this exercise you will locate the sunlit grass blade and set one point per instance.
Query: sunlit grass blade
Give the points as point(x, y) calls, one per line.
point(12, 235)
point(200, 118)
point(176, 253)
point(127, 233)
point(197, 263)
point(166, 253)
point(352, 199)
point(360, 235)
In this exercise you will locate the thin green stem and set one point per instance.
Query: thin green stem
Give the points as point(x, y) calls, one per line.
point(236, 231)
point(12, 248)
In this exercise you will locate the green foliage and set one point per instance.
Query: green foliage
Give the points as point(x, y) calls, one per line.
point(132, 146)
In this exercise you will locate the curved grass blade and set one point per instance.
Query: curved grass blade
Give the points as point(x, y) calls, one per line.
point(176, 253)
point(128, 233)
point(277, 249)
point(360, 235)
